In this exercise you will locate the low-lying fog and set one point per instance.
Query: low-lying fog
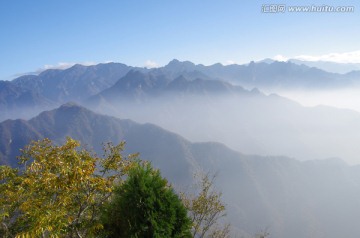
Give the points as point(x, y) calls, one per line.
point(263, 125)
point(340, 98)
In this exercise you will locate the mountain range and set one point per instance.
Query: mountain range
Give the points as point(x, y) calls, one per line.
point(332, 67)
point(247, 121)
point(275, 75)
point(79, 82)
point(193, 101)
point(287, 197)
point(341, 68)
point(73, 84)
point(186, 117)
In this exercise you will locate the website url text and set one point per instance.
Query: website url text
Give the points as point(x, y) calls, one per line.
point(282, 8)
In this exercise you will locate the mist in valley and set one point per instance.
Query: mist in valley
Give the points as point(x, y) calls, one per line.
point(295, 173)
point(254, 122)
point(286, 159)
point(264, 95)
point(345, 98)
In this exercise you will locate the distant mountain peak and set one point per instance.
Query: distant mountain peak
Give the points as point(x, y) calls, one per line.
point(182, 65)
point(218, 65)
point(174, 61)
point(70, 105)
point(67, 108)
point(266, 60)
point(78, 66)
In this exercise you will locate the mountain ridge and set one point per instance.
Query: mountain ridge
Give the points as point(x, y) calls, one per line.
point(54, 87)
point(259, 191)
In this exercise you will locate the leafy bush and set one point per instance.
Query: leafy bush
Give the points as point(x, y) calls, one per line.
point(145, 206)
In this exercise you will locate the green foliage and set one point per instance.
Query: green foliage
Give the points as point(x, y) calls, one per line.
point(61, 193)
point(205, 210)
point(145, 206)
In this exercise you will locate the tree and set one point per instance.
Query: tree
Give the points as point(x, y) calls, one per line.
point(146, 206)
point(61, 192)
point(206, 209)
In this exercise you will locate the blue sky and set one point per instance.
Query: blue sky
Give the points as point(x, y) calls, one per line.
point(42, 34)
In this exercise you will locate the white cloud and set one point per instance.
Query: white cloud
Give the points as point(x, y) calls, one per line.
point(280, 58)
point(229, 62)
point(347, 57)
point(151, 64)
point(61, 65)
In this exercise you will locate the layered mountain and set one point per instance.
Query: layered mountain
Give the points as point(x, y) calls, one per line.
point(19, 102)
point(333, 67)
point(73, 84)
point(137, 86)
point(181, 97)
point(268, 75)
point(79, 82)
point(286, 197)
point(247, 121)
point(93, 130)
point(26, 96)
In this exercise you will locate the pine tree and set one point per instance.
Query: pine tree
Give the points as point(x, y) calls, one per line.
point(145, 206)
